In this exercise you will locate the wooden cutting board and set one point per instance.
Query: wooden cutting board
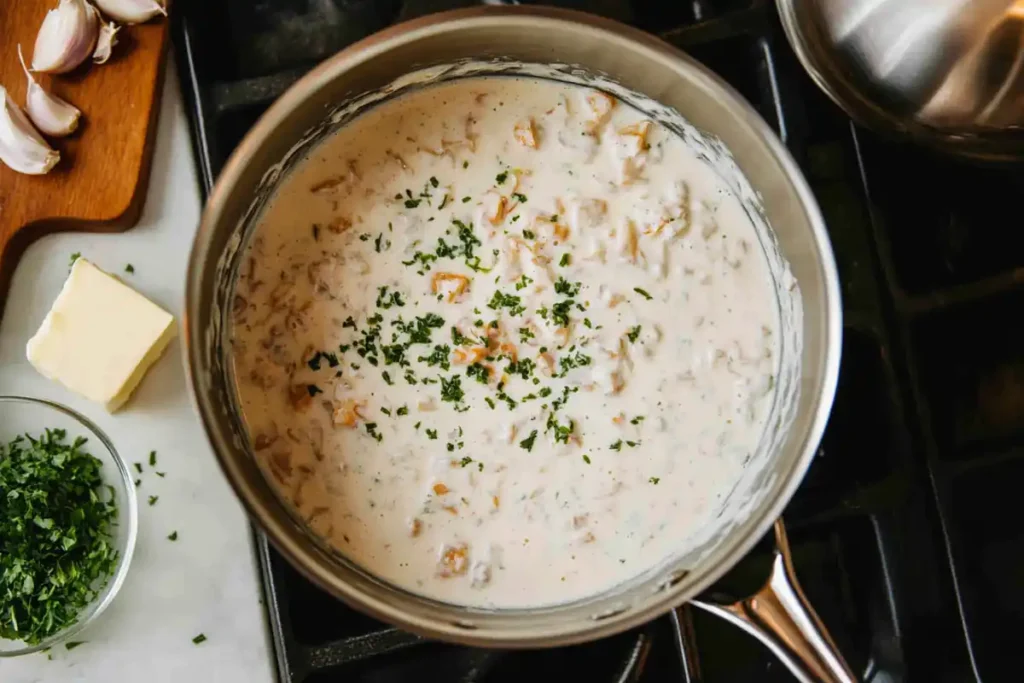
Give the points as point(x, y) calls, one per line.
point(100, 183)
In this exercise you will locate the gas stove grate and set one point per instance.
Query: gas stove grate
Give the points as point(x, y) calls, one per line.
point(900, 533)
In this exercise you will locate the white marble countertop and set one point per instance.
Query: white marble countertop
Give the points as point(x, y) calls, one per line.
point(207, 581)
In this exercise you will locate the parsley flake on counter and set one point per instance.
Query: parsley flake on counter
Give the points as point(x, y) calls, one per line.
point(634, 333)
point(56, 534)
point(152, 458)
point(138, 467)
point(654, 480)
point(153, 500)
point(74, 257)
point(129, 269)
point(201, 638)
point(173, 536)
point(71, 645)
point(643, 293)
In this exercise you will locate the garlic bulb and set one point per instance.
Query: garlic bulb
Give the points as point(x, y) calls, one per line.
point(66, 37)
point(131, 11)
point(51, 115)
point(22, 148)
point(105, 43)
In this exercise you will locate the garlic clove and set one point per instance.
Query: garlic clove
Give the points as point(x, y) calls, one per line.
point(66, 37)
point(22, 148)
point(50, 114)
point(132, 11)
point(105, 43)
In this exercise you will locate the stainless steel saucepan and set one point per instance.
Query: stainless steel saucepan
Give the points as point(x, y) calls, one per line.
point(502, 40)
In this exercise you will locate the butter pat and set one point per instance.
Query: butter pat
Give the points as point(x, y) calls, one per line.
point(100, 337)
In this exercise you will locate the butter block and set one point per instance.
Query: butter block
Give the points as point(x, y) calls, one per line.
point(100, 337)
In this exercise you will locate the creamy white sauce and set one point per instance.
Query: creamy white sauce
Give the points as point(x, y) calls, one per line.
point(547, 451)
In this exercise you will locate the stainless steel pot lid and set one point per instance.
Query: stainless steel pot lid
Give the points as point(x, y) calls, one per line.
point(949, 73)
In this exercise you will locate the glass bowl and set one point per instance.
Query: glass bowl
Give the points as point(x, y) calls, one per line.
point(22, 415)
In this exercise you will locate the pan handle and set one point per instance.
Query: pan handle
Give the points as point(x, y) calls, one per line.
point(780, 616)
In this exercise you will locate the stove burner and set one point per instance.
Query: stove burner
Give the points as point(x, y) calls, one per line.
point(897, 535)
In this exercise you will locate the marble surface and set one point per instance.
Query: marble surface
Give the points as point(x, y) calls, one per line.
point(206, 581)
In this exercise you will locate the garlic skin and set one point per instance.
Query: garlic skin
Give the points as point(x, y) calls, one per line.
point(50, 114)
point(22, 148)
point(131, 11)
point(105, 43)
point(66, 37)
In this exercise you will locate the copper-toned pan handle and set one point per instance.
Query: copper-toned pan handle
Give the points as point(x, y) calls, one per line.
point(780, 616)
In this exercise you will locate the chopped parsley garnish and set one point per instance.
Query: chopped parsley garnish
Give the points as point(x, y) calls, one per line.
point(519, 196)
point(466, 200)
point(617, 446)
point(424, 259)
point(404, 410)
point(501, 177)
point(560, 313)
point(439, 357)
point(634, 333)
point(380, 244)
point(74, 257)
point(419, 330)
point(643, 293)
point(565, 260)
point(528, 442)
point(654, 480)
point(562, 433)
point(529, 234)
point(479, 372)
point(56, 534)
point(386, 411)
point(523, 282)
point(432, 434)
point(489, 401)
point(512, 303)
point(173, 536)
point(371, 429)
point(637, 420)
point(386, 300)
point(152, 458)
point(460, 339)
point(578, 360)
point(314, 389)
point(563, 286)
point(129, 268)
point(465, 460)
point(523, 367)
point(153, 500)
point(314, 363)
point(412, 203)
point(201, 638)
point(586, 458)
point(433, 182)
point(451, 389)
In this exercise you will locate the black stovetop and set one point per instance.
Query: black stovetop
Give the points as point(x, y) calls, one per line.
point(904, 531)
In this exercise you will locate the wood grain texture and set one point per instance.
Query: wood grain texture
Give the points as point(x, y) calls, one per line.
point(100, 183)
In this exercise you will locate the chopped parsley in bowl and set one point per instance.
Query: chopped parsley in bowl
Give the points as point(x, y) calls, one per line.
point(68, 521)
